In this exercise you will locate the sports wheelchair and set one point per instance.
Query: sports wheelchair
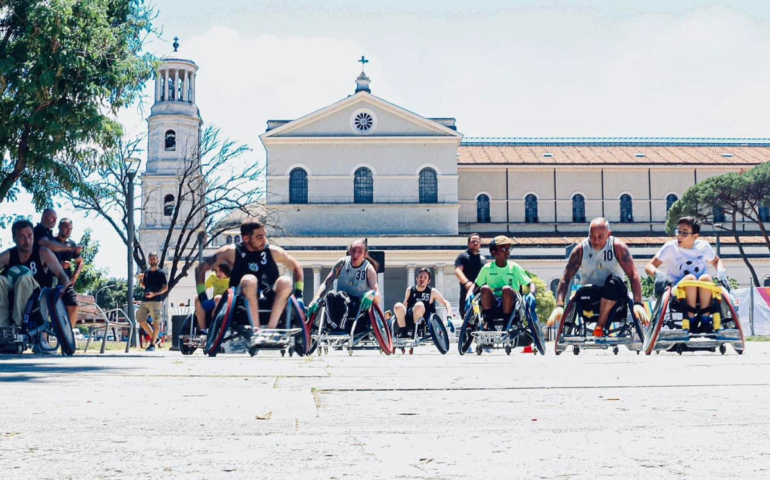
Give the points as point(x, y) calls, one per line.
point(231, 329)
point(689, 335)
point(367, 329)
point(518, 330)
point(424, 331)
point(45, 323)
point(580, 317)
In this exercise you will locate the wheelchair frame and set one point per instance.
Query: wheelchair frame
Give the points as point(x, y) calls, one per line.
point(573, 329)
point(56, 325)
point(324, 339)
point(728, 329)
point(417, 340)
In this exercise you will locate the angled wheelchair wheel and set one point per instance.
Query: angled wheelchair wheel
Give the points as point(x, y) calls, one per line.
point(221, 322)
point(728, 301)
point(536, 333)
point(302, 342)
point(438, 333)
point(380, 330)
point(657, 322)
point(567, 318)
point(189, 327)
point(59, 319)
point(465, 338)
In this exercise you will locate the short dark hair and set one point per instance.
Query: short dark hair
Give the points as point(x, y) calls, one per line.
point(424, 270)
point(691, 222)
point(19, 225)
point(152, 254)
point(225, 268)
point(473, 235)
point(248, 226)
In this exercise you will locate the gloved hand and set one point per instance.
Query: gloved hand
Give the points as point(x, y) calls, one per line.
point(641, 313)
point(312, 308)
point(556, 315)
point(367, 300)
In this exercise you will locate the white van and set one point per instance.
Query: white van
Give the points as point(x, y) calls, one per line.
point(79, 337)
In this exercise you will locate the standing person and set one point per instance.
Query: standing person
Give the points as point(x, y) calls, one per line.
point(155, 286)
point(41, 262)
point(467, 267)
point(67, 258)
point(254, 270)
point(602, 260)
point(420, 302)
point(217, 283)
point(687, 258)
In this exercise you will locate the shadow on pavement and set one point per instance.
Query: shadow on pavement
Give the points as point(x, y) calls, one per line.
point(31, 370)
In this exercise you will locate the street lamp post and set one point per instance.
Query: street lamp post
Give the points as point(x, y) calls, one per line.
point(132, 165)
point(718, 227)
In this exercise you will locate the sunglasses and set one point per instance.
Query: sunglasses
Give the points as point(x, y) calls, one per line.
point(680, 233)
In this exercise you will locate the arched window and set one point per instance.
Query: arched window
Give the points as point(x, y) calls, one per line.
point(170, 141)
point(719, 214)
point(766, 283)
point(626, 209)
point(237, 239)
point(670, 199)
point(530, 209)
point(298, 186)
point(229, 239)
point(168, 205)
point(554, 286)
point(363, 186)
point(482, 209)
point(764, 212)
point(428, 186)
point(578, 208)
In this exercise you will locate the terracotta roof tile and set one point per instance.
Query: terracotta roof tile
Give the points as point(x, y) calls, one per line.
point(632, 241)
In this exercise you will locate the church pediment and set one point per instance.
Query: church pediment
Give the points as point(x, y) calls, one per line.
point(362, 116)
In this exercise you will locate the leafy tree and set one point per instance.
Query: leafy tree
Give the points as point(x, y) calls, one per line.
point(214, 191)
point(65, 67)
point(115, 297)
point(91, 277)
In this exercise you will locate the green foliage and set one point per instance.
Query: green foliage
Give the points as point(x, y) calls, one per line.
point(544, 297)
point(90, 277)
point(66, 66)
point(115, 297)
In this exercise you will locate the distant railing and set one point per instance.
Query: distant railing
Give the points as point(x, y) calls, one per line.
point(378, 200)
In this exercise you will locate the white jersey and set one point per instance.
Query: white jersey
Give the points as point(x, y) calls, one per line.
point(678, 262)
point(597, 265)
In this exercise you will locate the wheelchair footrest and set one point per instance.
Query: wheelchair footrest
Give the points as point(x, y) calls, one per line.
point(277, 338)
point(491, 338)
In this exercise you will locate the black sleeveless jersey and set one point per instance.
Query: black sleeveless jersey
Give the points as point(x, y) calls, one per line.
point(424, 297)
point(43, 277)
point(259, 264)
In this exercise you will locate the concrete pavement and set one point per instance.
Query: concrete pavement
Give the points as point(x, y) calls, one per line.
point(164, 415)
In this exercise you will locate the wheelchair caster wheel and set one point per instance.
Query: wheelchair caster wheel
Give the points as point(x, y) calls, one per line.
point(739, 351)
point(350, 352)
point(508, 349)
point(283, 353)
point(615, 350)
point(326, 350)
point(576, 350)
point(722, 349)
point(411, 351)
point(679, 349)
point(291, 352)
point(253, 351)
point(479, 350)
point(403, 350)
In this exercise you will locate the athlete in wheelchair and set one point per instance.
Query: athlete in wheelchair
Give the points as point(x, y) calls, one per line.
point(249, 312)
point(350, 316)
point(600, 314)
point(31, 309)
point(696, 313)
point(496, 314)
point(416, 321)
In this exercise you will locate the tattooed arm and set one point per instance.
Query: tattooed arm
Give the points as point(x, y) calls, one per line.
point(573, 265)
point(225, 254)
point(327, 285)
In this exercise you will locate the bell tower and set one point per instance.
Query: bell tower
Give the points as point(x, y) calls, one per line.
point(174, 127)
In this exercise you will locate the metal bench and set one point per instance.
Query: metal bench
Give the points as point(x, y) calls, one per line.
point(100, 320)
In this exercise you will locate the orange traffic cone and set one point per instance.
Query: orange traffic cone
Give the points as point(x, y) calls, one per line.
point(528, 349)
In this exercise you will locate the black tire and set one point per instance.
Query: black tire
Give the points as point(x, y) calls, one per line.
point(438, 333)
point(465, 339)
point(59, 318)
point(380, 330)
point(536, 333)
point(220, 322)
point(302, 342)
point(190, 320)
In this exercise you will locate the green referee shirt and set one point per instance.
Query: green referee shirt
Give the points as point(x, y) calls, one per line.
point(511, 275)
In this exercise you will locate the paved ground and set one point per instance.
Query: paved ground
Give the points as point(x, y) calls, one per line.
point(368, 416)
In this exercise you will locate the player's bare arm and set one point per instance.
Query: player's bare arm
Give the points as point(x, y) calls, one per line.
point(327, 285)
point(573, 265)
point(52, 263)
point(627, 264)
point(282, 256)
point(225, 254)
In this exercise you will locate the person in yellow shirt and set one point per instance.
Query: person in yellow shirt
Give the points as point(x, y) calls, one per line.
point(219, 282)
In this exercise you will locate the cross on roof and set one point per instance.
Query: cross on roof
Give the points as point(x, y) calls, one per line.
point(363, 62)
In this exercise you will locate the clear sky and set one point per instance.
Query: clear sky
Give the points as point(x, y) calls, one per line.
point(501, 67)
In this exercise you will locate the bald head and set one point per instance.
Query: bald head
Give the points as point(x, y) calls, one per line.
point(599, 232)
point(49, 218)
